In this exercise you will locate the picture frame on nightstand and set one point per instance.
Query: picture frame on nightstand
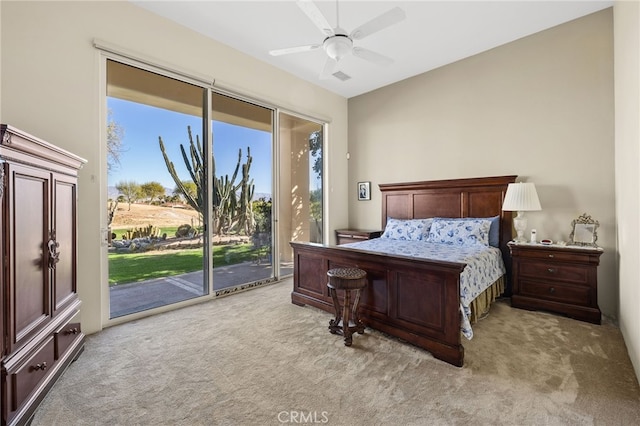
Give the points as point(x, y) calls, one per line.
point(584, 231)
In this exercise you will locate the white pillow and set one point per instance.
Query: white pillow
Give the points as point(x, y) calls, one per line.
point(407, 229)
point(460, 232)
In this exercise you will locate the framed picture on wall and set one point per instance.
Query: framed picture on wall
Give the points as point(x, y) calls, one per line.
point(364, 191)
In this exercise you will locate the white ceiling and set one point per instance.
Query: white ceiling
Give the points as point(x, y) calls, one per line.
point(434, 33)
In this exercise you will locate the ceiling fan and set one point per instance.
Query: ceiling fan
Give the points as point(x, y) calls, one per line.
point(338, 43)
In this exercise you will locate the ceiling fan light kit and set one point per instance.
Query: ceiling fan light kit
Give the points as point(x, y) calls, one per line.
point(337, 44)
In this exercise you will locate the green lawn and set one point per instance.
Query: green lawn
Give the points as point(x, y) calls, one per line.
point(134, 267)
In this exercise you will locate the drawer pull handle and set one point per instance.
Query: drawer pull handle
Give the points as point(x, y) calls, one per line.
point(551, 255)
point(551, 270)
point(42, 366)
point(73, 330)
point(552, 290)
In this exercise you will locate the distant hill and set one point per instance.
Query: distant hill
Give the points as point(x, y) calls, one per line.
point(112, 193)
point(259, 195)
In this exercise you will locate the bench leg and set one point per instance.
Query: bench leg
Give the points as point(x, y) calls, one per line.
point(346, 318)
point(334, 324)
point(359, 326)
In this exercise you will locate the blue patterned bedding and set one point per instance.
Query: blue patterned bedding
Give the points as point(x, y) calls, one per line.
point(484, 265)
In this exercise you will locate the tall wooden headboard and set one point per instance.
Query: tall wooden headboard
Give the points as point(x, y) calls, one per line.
point(474, 197)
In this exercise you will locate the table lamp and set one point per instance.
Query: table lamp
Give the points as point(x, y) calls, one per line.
point(521, 197)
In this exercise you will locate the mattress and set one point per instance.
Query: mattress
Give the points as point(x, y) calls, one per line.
point(484, 265)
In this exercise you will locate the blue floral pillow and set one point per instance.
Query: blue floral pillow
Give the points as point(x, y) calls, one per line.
point(407, 229)
point(460, 232)
point(494, 230)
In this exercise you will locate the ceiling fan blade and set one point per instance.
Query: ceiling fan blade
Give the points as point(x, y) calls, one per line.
point(288, 50)
point(328, 68)
point(371, 56)
point(312, 11)
point(383, 21)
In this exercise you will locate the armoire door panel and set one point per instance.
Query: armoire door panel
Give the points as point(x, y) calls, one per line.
point(64, 226)
point(29, 225)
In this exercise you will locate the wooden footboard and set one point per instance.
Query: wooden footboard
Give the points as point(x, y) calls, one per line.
point(415, 300)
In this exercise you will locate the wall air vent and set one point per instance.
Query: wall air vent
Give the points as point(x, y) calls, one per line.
point(341, 76)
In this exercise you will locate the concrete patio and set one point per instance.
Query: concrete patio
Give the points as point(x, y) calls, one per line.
point(136, 297)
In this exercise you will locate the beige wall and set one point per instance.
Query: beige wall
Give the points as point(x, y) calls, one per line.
point(51, 88)
point(627, 146)
point(540, 108)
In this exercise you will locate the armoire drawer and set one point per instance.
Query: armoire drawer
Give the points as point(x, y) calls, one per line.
point(65, 337)
point(27, 375)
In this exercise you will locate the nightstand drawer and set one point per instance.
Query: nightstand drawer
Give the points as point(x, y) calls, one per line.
point(345, 236)
point(554, 255)
point(554, 272)
point(553, 291)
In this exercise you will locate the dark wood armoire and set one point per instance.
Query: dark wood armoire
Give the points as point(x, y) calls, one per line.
point(39, 305)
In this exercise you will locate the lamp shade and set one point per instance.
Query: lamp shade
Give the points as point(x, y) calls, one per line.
point(521, 196)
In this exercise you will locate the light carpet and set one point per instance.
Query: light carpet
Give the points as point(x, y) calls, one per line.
point(254, 358)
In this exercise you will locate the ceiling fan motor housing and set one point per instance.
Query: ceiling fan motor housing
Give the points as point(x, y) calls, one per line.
point(338, 46)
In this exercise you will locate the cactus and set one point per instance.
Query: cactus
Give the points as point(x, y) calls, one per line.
point(232, 207)
point(195, 168)
point(147, 231)
point(233, 211)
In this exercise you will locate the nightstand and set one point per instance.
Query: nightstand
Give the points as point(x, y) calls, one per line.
point(344, 236)
point(561, 279)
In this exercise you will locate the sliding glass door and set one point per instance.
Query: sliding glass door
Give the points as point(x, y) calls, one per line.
point(157, 189)
point(194, 204)
point(242, 193)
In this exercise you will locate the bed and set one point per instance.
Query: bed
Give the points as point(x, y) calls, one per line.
point(411, 298)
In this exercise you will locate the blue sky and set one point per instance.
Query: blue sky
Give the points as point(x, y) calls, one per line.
point(141, 160)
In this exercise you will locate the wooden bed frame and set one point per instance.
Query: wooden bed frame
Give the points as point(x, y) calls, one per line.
point(412, 299)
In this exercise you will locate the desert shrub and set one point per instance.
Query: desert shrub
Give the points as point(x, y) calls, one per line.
point(185, 230)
